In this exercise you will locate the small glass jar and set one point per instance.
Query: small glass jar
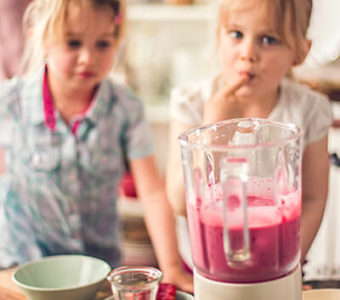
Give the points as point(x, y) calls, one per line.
point(132, 283)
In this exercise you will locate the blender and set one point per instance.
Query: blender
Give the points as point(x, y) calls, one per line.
point(243, 195)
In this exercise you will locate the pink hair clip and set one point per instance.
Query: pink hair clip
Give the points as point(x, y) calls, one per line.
point(118, 19)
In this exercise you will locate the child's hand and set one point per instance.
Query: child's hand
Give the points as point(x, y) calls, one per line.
point(180, 278)
point(223, 105)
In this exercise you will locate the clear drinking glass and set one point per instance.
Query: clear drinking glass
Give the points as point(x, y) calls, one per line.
point(132, 283)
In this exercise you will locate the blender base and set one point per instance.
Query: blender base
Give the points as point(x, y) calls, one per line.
point(285, 288)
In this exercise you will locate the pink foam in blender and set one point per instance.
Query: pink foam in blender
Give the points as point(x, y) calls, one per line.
point(274, 236)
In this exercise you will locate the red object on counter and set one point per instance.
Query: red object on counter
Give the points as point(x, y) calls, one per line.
point(166, 291)
point(127, 186)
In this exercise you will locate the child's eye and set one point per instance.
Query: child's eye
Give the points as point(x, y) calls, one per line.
point(74, 44)
point(269, 40)
point(103, 44)
point(235, 34)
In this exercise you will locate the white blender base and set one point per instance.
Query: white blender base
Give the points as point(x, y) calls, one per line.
point(285, 288)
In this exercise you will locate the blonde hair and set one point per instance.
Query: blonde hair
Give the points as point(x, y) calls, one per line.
point(291, 18)
point(46, 19)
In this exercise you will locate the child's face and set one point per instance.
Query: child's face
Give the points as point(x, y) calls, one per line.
point(86, 54)
point(249, 44)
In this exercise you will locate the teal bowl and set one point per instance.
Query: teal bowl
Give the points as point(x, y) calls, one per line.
point(71, 277)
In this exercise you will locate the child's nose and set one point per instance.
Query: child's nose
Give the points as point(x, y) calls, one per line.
point(86, 56)
point(249, 51)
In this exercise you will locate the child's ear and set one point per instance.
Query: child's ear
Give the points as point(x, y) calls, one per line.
point(301, 56)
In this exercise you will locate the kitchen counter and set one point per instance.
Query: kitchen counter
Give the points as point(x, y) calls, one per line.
point(325, 79)
point(9, 291)
point(324, 284)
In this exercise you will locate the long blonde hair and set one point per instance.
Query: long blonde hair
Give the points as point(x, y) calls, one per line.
point(291, 17)
point(45, 19)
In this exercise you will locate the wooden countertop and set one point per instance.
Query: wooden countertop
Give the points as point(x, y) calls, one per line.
point(10, 291)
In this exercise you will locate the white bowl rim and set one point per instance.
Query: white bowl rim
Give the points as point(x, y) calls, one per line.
point(184, 294)
point(56, 257)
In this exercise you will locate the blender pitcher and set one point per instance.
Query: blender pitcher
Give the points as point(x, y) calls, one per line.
point(243, 193)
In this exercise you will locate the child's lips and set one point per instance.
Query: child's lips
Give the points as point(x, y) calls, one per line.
point(248, 74)
point(85, 74)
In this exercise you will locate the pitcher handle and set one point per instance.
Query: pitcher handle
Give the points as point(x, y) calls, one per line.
point(234, 176)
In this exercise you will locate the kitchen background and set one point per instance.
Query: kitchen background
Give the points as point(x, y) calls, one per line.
point(172, 42)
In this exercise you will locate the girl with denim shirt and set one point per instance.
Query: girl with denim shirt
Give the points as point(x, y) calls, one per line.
point(67, 130)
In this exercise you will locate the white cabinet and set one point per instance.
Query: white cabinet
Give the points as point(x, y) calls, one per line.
point(169, 13)
point(167, 45)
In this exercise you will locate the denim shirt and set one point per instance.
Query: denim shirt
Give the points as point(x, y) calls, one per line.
point(59, 192)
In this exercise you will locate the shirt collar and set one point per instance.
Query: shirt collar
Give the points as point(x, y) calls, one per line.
point(100, 103)
point(49, 115)
point(32, 95)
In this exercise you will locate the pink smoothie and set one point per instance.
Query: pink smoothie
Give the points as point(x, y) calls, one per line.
point(274, 234)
